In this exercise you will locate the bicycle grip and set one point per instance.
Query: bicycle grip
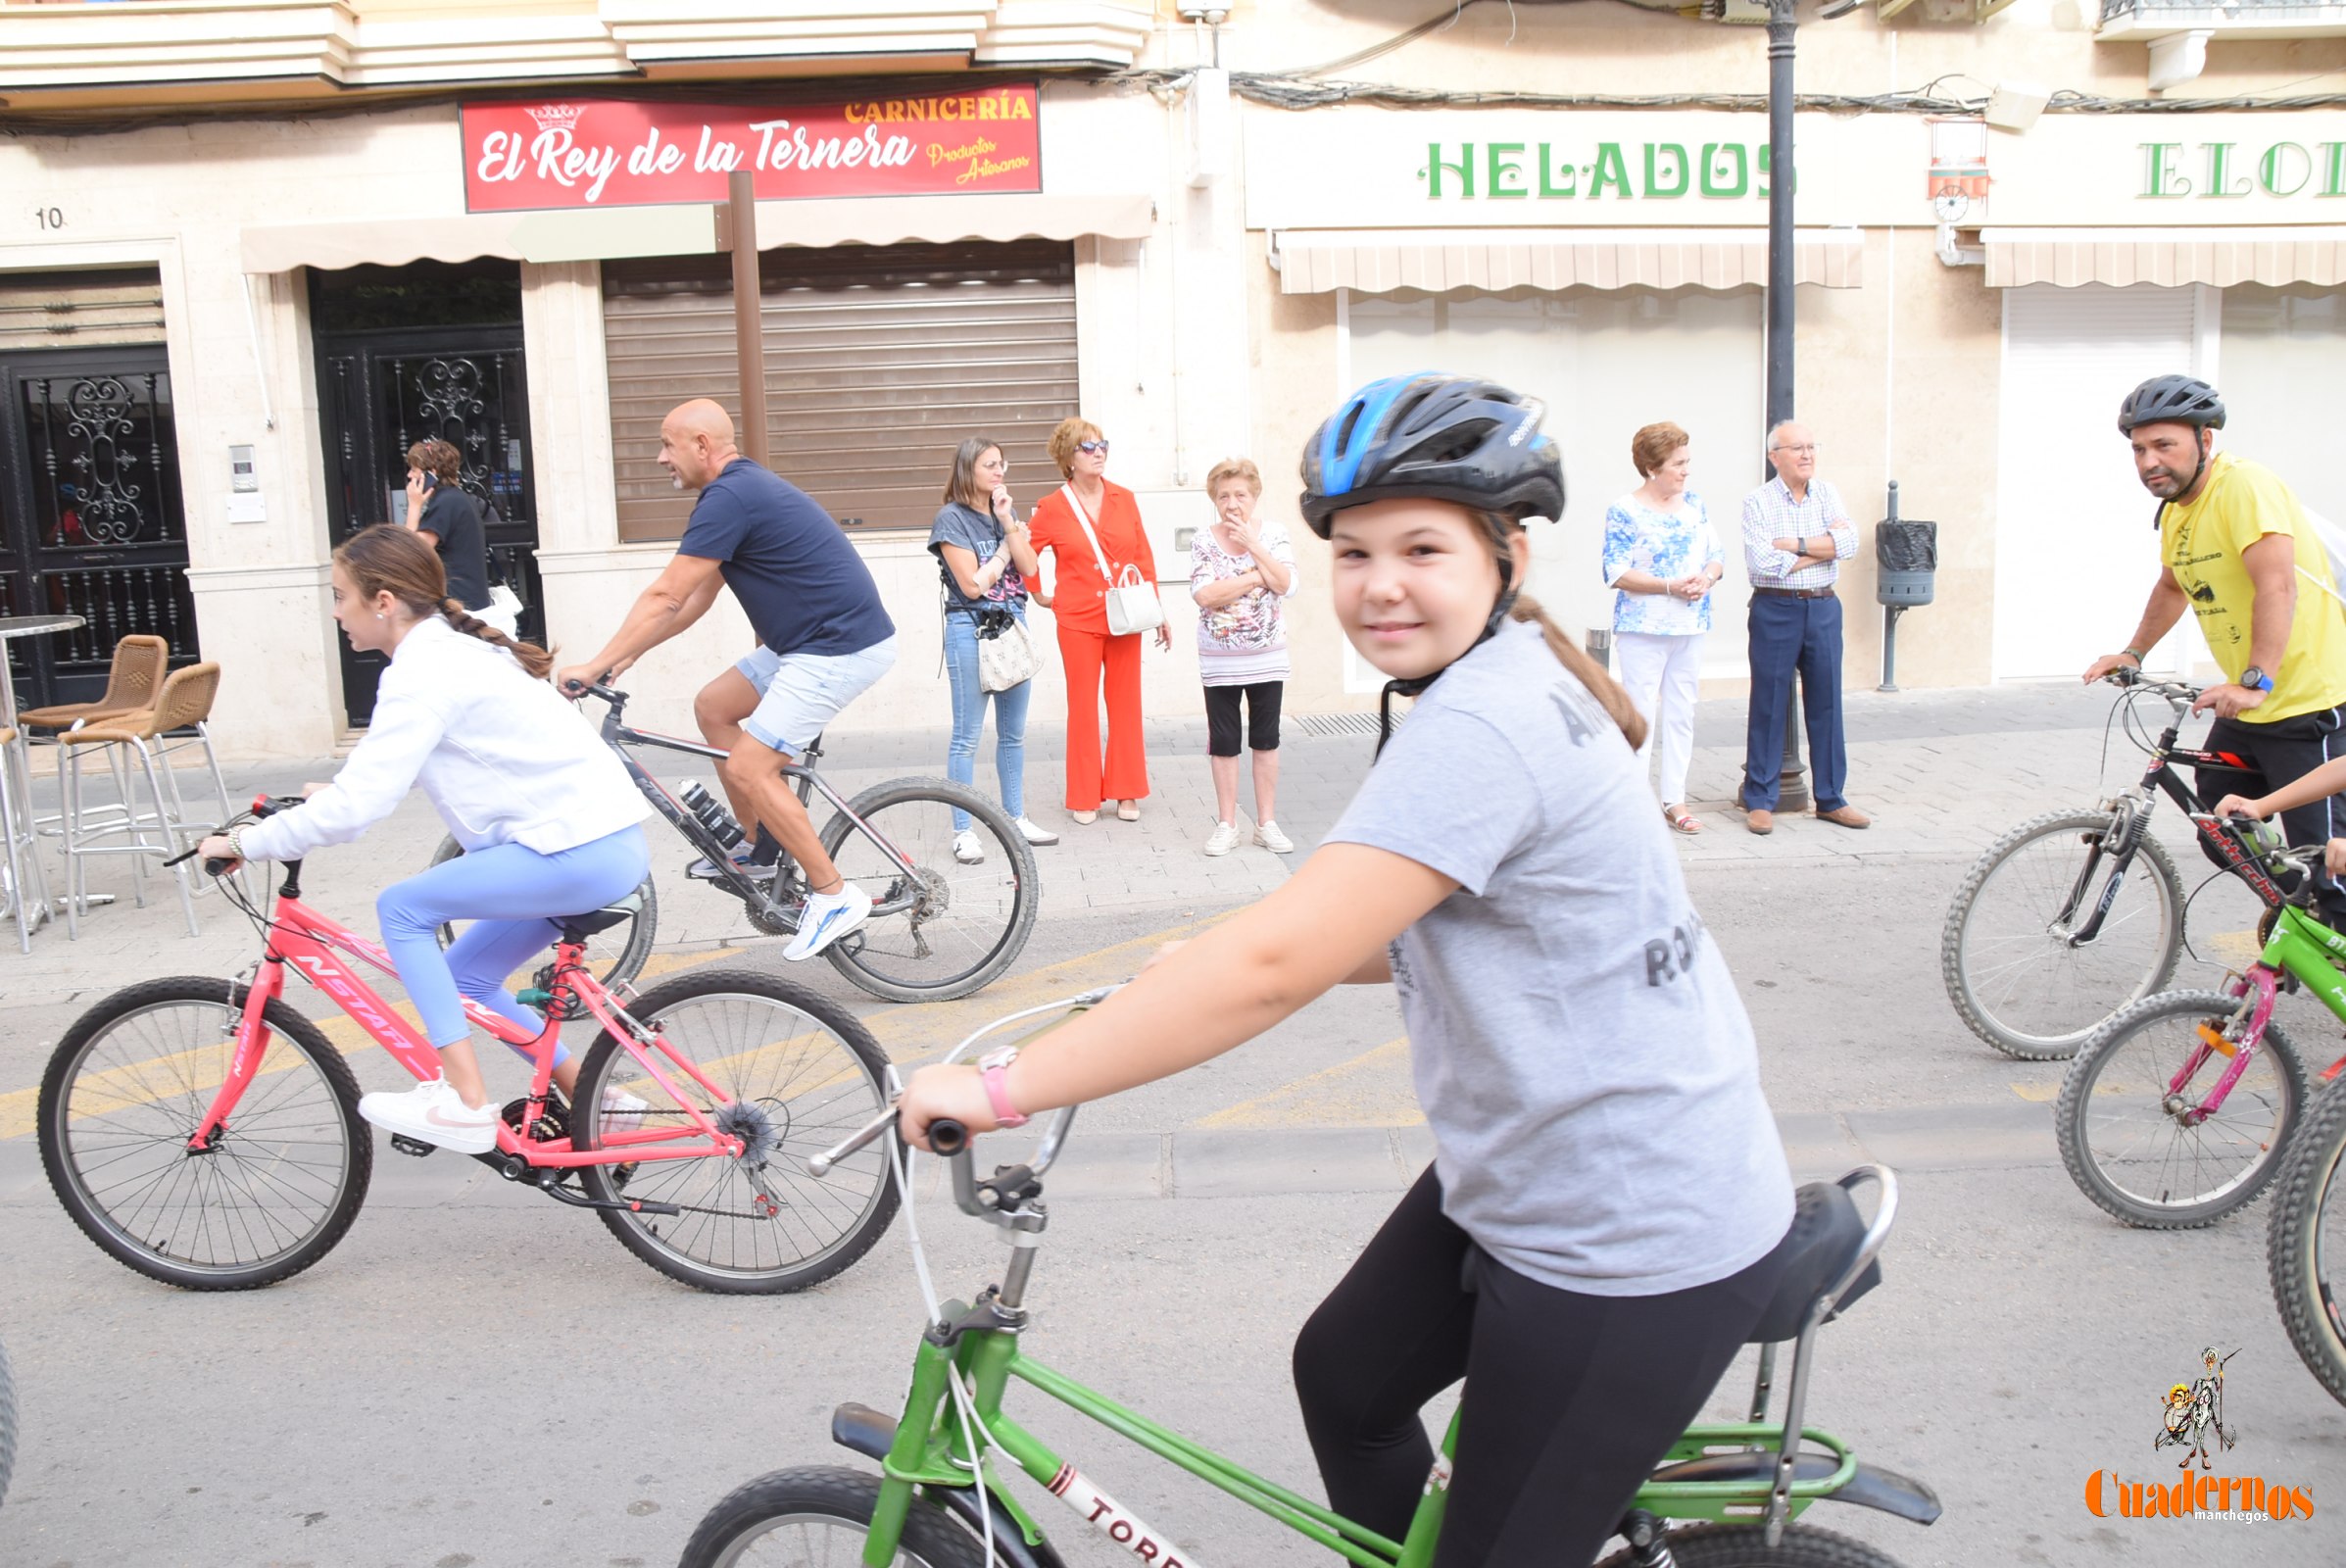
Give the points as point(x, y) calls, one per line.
point(947, 1137)
point(213, 866)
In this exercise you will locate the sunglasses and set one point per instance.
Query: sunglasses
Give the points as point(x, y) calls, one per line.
point(1099, 446)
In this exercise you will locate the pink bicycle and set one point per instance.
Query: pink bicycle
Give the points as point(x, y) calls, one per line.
point(204, 1133)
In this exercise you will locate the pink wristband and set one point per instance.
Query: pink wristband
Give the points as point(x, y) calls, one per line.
point(994, 1072)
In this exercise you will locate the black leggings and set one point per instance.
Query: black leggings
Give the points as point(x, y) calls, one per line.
point(1569, 1400)
point(2277, 753)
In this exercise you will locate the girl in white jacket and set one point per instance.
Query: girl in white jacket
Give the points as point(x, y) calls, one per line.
point(551, 823)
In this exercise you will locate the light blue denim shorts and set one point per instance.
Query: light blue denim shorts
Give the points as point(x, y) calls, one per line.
point(801, 692)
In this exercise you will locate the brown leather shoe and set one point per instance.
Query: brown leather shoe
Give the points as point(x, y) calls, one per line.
point(1845, 816)
point(1761, 822)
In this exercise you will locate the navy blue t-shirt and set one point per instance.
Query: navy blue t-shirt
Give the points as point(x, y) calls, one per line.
point(804, 588)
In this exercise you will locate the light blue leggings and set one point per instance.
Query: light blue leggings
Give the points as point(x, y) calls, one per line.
point(512, 897)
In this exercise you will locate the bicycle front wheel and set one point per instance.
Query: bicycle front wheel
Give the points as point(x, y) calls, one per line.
point(819, 1515)
point(2305, 1248)
point(2011, 970)
point(799, 1073)
point(943, 924)
point(123, 1095)
point(615, 955)
point(2137, 1133)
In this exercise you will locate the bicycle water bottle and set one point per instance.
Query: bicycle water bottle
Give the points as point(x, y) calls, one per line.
point(712, 814)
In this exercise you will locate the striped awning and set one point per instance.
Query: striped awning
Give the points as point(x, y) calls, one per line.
point(1378, 261)
point(2168, 256)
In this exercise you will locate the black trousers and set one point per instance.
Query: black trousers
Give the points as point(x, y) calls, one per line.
point(2277, 753)
point(1569, 1400)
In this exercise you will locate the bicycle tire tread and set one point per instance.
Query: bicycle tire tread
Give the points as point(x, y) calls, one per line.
point(895, 792)
point(2313, 1163)
point(930, 1534)
point(1746, 1546)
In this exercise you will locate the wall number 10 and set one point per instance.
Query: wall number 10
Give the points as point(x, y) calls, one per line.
point(50, 216)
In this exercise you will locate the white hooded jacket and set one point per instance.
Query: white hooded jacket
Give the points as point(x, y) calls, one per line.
point(502, 756)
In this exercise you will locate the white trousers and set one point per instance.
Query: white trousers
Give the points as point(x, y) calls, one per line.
point(1663, 675)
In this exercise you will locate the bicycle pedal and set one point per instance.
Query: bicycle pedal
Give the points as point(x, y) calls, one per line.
point(411, 1146)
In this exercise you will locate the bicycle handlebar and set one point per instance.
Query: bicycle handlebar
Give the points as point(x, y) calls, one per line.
point(262, 805)
point(2126, 675)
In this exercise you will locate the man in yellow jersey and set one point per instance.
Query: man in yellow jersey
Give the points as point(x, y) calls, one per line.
point(2235, 548)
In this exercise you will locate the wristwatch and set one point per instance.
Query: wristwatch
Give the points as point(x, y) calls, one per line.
point(994, 1072)
point(2255, 679)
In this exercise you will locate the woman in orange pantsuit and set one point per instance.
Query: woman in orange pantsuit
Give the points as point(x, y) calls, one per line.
point(1084, 647)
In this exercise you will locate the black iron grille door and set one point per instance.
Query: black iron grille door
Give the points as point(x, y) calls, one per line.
point(89, 477)
point(383, 391)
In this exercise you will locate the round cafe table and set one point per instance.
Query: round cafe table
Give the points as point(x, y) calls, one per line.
point(15, 777)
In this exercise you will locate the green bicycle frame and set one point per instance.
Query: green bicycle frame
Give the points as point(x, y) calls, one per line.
point(2302, 945)
point(929, 1450)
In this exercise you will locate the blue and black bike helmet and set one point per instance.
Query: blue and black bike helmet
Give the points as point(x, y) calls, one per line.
point(1439, 437)
point(1435, 437)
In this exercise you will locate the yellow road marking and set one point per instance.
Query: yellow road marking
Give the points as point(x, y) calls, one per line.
point(1360, 1093)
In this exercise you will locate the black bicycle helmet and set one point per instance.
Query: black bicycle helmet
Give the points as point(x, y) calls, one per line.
point(2171, 400)
point(1441, 437)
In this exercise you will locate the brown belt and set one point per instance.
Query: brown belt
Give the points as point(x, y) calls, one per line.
point(1792, 593)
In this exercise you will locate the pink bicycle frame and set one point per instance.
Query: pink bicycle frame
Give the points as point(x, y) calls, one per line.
point(316, 946)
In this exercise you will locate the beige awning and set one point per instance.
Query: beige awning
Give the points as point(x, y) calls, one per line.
point(609, 233)
point(2168, 256)
point(1377, 261)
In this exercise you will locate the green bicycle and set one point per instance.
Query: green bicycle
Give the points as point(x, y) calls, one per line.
point(939, 1503)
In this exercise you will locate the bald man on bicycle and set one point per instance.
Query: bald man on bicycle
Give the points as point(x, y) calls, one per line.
point(824, 638)
point(2238, 550)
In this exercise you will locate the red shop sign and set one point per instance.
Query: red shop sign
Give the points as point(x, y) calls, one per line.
point(603, 152)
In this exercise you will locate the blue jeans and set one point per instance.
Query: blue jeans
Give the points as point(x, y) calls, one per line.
point(513, 896)
point(1788, 635)
point(969, 719)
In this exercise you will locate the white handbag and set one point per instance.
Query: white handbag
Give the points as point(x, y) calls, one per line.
point(1131, 599)
point(1007, 657)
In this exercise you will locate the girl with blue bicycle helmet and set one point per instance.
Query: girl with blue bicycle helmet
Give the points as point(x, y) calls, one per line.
point(1599, 1233)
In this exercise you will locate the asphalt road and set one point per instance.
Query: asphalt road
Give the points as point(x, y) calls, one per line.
point(477, 1377)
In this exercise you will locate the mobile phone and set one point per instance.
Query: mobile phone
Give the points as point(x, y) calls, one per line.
point(431, 482)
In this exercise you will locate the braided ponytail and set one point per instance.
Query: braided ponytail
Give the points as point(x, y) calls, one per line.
point(383, 559)
point(535, 660)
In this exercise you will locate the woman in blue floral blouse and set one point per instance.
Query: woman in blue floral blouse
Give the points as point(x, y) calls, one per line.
point(1662, 560)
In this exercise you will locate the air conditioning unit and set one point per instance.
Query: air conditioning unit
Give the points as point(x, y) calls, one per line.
point(1748, 13)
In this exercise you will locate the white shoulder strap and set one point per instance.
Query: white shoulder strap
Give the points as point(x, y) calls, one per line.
point(1106, 574)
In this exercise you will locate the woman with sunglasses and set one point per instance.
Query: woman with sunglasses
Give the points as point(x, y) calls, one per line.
point(1091, 529)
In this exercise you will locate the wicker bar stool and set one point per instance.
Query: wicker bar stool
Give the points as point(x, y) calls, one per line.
point(22, 844)
point(162, 828)
point(131, 681)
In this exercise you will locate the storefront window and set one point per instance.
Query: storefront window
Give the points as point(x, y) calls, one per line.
point(2282, 349)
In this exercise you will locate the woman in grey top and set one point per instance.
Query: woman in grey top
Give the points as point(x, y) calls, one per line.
point(986, 562)
point(1601, 1227)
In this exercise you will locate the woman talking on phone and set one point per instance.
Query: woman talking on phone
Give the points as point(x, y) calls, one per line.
point(443, 513)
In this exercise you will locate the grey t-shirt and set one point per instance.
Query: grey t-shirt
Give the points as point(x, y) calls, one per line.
point(1577, 1044)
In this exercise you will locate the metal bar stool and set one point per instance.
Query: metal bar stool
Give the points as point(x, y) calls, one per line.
point(140, 665)
point(163, 828)
point(22, 843)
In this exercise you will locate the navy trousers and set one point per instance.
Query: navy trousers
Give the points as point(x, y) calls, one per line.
point(1787, 635)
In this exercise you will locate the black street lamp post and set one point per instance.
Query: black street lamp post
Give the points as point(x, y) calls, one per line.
point(1793, 795)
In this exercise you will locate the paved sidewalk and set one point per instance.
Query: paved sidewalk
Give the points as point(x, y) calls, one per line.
point(1942, 772)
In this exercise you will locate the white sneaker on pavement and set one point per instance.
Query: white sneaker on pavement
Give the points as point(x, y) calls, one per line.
point(1035, 834)
point(828, 917)
point(1224, 839)
point(435, 1113)
point(623, 1112)
point(968, 848)
point(1267, 835)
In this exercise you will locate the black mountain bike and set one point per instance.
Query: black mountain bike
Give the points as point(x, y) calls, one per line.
point(2075, 915)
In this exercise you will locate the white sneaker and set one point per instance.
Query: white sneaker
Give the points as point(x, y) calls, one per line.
point(1267, 835)
point(1224, 839)
point(623, 1112)
point(828, 917)
point(968, 849)
point(433, 1113)
point(1035, 834)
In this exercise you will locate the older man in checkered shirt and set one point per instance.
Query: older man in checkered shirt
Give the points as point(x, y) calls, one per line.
point(1795, 534)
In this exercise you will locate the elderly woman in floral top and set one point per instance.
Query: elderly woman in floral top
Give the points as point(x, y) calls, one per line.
point(1662, 560)
point(1240, 571)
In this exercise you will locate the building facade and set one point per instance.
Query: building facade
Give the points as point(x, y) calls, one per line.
point(256, 250)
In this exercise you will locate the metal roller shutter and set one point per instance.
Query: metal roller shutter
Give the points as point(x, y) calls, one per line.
point(879, 361)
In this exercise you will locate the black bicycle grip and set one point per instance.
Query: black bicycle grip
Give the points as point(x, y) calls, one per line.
point(217, 867)
point(947, 1137)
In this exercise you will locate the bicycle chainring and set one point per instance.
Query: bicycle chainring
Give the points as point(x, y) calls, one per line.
point(554, 1121)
